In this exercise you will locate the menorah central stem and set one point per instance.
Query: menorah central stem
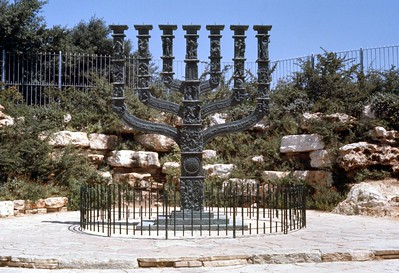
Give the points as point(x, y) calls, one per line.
point(191, 142)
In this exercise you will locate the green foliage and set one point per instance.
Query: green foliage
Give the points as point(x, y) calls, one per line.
point(21, 26)
point(371, 174)
point(91, 110)
point(29, 167)
point(328, 79)
point(324, 198)
point(22, 29)
point(386, 107)
point(22, 188)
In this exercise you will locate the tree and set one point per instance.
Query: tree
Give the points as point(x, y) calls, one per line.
point(21, 27)
point(92, 37)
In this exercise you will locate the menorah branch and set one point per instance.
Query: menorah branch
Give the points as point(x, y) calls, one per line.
point(238, 125)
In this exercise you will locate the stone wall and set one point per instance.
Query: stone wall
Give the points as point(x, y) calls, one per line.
point(41, 206)
point(143, 170)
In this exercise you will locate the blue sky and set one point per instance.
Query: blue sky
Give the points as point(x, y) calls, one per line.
point(300, 27)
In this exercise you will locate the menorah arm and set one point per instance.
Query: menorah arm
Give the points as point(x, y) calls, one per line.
point(146, 126)
point(238, 125)
point(176, 86)
point(219, 106)
point(162, 105)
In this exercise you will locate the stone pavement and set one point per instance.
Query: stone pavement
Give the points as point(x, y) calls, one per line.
point(53, 241)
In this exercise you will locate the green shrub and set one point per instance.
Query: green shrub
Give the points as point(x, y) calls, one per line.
point(324, 198)
point(386, 107)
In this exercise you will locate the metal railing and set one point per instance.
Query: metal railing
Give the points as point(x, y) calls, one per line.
point(230, 210)
point(34, 73)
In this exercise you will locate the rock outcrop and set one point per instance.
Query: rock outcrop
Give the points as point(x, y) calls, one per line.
point(134, 159)
point(383, 136)
point(301, 143)
point(372, 198)
point(341, 120)
point(315, 177)
point(40, 206)
point(156, 143)
point(5, 120)
point(363, 155)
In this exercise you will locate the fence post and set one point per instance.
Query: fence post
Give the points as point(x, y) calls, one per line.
point(3, 68)
point(312, 60)
point(59, 70)
point(361, 57)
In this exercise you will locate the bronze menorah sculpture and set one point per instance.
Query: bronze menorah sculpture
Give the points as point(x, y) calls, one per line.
point(191, 136)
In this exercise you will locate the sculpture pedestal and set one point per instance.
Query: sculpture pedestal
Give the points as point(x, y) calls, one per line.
point(191, 220)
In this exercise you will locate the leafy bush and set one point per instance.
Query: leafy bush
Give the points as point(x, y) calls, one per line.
point(386, 107)
point(324, 198)
point(29, 167)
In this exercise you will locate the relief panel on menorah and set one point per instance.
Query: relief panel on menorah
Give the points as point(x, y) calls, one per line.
point(118, 72)
point(191, 113)
point(215, 49)
point(118, 91)
point(167, 46)
point(143, 47)
point(118, 49)
point(191, 72)
point(191, 165)
point(192, 193)
point(264, 75)
point(239, 48)
point(191, 92)
point(239, 69)
point(191, 48)
point(144, 95)
point(143, 82)
point(191, 140)
point(264, 48)
point(143, 68)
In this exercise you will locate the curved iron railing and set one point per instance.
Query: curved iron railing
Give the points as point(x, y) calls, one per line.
point(230, 210)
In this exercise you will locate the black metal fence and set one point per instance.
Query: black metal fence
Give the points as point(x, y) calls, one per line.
point(32, 73)
point(230, 210)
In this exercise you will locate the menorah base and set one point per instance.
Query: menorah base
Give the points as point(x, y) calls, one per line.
point(196, 221)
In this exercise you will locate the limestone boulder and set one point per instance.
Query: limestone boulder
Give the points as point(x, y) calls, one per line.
point(67, 118)
point(137, 180)
point(261, 126)
point(340, 120)
point(301, 143)
point(315, 177)
point(258, 159)
point(19, 205)
point(38, 204)
point(6, 208)
point(363, 155)
point(372, 198)
point(217, 119)
point(156, 143)
point(320, 159)
point(208, 154)
point(56, 202)
point(103, 142)
point(219, 170)
point(106, 175)
point(5, 120)
point(368, 113)
point(383, 136)
point(66, 138)
point(134, 159)
point(170, 167)
point(96, 158)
